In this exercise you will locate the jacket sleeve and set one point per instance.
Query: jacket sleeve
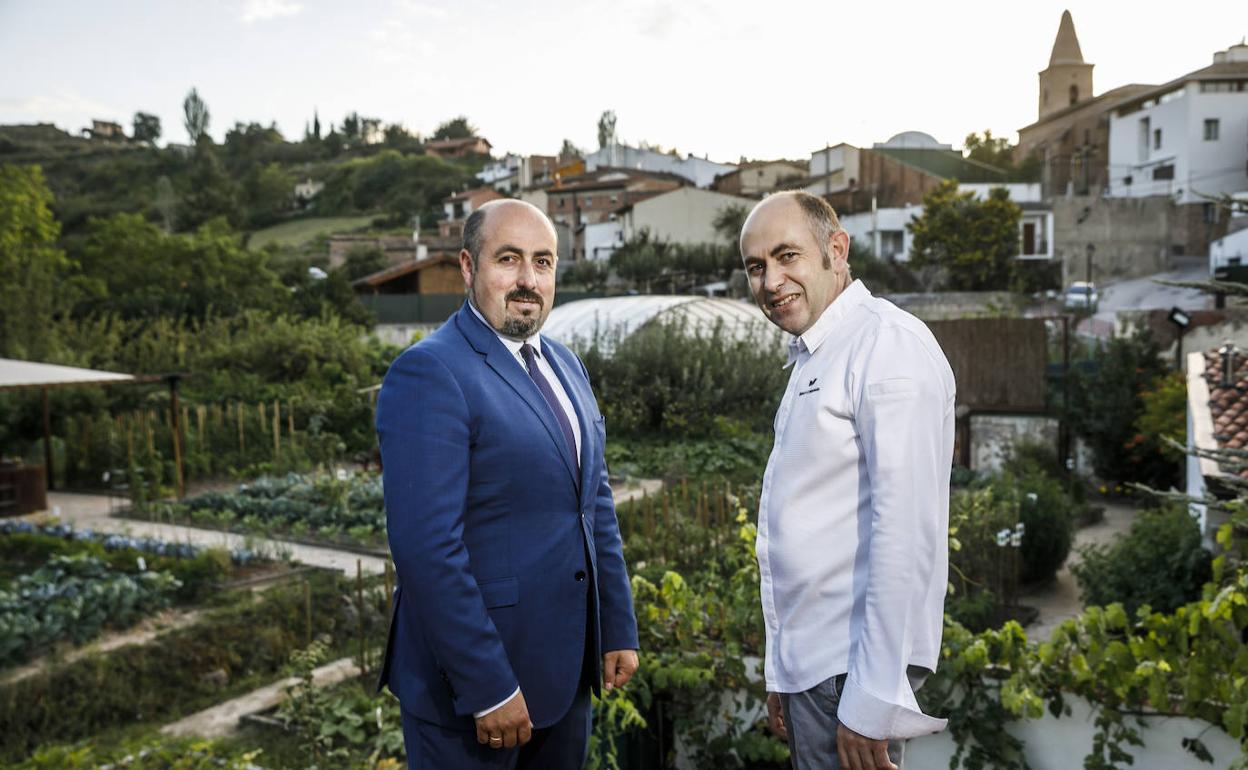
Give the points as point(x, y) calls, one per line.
point(423, 425)
point(615, 595)
point(900, 413)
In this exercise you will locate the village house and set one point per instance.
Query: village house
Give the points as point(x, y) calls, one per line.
point(1186, 140)
point(458, 148)
point(757, 178)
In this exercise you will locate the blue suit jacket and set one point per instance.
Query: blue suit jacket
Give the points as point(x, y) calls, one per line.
point(506, 552)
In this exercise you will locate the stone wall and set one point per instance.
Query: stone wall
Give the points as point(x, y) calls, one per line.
point(1132, 237)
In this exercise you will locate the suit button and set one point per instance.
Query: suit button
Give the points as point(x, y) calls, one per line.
point(580, 576)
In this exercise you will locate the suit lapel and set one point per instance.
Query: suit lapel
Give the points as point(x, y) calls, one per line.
point(573, 386)
point(504, 364)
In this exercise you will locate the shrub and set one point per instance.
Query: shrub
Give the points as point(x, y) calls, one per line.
point(1048, 514)
point(664, 380)
point(1159, 562)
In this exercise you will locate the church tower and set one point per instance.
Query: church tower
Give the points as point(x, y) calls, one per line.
point(1068, 79)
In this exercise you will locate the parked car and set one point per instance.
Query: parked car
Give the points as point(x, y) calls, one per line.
point(1081, 296)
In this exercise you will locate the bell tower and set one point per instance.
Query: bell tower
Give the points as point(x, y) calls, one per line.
point(1068, 78)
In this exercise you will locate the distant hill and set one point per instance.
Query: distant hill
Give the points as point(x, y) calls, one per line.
point(249, 179)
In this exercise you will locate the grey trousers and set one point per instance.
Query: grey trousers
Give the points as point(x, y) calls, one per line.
point(810, 718)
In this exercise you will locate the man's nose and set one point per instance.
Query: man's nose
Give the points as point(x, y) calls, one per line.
point(528, 276)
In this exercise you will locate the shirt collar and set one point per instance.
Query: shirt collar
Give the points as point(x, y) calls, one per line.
point(810, 340)
point(513, 346)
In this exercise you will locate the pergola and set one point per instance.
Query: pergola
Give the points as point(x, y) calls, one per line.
point(25, 375)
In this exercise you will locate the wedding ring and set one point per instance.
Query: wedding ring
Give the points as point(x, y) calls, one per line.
point(496, 739)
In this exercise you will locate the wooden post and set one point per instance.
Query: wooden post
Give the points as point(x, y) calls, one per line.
point(175, 426)
point(47, 439)
point(277, 431)
point(242, 441)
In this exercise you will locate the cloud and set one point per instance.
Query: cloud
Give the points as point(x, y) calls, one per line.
point(265, 10)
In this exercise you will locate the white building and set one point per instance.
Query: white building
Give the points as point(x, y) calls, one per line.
point(700, 171)
point(885, 230)
point(514, 173)
point(685, 215)
point(1186, 139)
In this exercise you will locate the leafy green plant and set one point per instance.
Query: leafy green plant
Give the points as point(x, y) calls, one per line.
point(1159, 563)
point(74, 598)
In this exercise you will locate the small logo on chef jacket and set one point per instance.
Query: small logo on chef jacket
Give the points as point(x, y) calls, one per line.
point(809, 387)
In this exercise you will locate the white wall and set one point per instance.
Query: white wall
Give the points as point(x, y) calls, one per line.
point(684, 215)
point(1020, 192)
point(1227, 248)
point(697, 170)
point(602, 239)
point(1200, 166)
point(862, 227)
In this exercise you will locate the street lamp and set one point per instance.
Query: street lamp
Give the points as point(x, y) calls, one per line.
point(1181, 320)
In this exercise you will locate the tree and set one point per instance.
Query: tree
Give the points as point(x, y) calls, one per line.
point(606, 129)
point(569, 151)
point(728, 222)
point(973, 242)
point(267, 193)
point(1110, 402)
point(32, 291)
point(144, 272)
point(166, 203)
point(351, 127)
point(209, 192)
point(396, 137)
point(146, 127)
point(362, 261)
point(589, 274)
point(196, 117)
point(989, 149)
point(456, 128)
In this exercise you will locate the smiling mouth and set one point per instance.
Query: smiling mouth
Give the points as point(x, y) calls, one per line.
point(783, 301)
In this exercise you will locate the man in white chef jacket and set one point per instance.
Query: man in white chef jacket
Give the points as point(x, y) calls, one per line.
point(854, 512)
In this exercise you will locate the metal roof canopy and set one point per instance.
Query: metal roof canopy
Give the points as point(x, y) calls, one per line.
point(29, 374)
point(20, 375)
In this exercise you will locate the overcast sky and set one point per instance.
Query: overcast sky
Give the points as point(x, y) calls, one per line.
point(727, 78)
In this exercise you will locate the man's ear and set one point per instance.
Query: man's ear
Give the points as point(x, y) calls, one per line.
point(465, 267)
point(838, 247)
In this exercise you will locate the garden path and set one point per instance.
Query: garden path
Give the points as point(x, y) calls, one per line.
point(92, 511)
point(1059, 600)
point(222, 719)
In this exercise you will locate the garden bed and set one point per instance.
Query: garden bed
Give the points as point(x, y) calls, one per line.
point(342, 511)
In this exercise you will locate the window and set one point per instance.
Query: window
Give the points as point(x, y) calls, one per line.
point(1143, 142)
point(1210, 212)
point(615, 198)
point(1074, 94)
point(1211, 129)
point(1223, 86)
point(588, 200)
point(1156, 138)
point(1164, 172)
point(561, 203)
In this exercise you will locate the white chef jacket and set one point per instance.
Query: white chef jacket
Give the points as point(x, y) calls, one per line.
point(854, 513)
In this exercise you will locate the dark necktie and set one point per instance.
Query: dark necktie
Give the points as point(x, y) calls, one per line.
point(530, 363)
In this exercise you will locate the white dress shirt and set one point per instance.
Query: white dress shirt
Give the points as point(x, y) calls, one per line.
point(560, 394)
point(854, 513)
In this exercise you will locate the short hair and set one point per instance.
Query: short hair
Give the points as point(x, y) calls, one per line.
point(472, 234)
point(822, 220)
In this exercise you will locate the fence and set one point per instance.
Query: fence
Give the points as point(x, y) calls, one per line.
point(135, 450)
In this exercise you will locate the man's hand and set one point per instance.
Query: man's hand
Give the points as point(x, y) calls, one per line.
point(507, 726)
point(858, 752)
point(618, 666)
point(775, 716)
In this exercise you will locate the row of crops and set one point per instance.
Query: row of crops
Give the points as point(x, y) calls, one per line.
point(64, 585)
point(344, 509)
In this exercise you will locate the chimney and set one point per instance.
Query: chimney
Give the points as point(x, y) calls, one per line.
point(1228, 364)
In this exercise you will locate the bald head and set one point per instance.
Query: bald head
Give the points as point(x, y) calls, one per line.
point(819, 214)
point(482, 220)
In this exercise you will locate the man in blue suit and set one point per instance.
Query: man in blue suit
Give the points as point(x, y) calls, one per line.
point(513, 598)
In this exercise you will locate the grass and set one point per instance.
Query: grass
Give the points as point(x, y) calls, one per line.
point(301, 231)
